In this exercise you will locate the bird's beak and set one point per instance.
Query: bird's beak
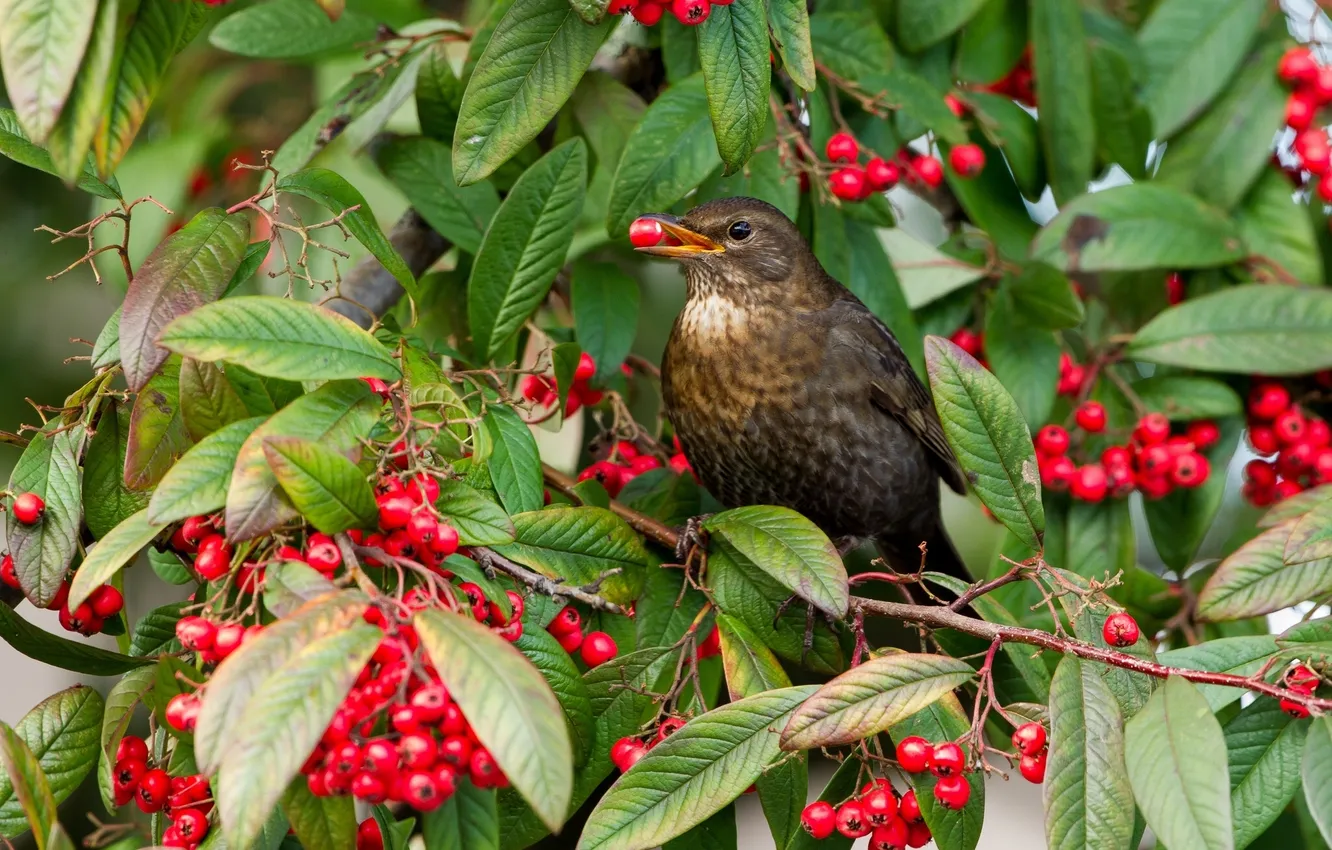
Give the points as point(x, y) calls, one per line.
point(690, 244)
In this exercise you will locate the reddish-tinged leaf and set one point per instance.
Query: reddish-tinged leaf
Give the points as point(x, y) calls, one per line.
point(157, 435)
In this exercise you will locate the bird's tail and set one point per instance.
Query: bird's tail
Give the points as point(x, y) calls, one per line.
point(904, 555)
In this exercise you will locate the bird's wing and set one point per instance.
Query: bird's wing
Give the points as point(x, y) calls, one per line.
point(893, 386)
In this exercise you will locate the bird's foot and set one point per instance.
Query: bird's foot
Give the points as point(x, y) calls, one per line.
point(807, 644)
point(692, 536)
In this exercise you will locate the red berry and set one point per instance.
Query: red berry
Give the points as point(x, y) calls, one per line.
point(967, 160)
point(192, 824)
point(892, 835)
point(646, 233)
point(1268, 400)
point(610, 476)
point(1032, 767)
point(1297, 67)
point(1174, 288)
point(423, 528)
point(369, 787)
point(1057, 473)
point(130, 748)
point(1289, 426)
point(1294, 709)
point(842, 147)
point(1029, 738)
point(947, 759)
point(369, 836)
point(587, 367)
point(1151, 429)
point(918, 835)
point(154, 786)
point(395, 510)
point(848, 183)
point(914, 754)
point(456, 750)
point(322, 553)
point(566, 622)
point(969, 341)
point(106, 601)
point(598, 648)
point(421, 791)
point(1091, 417)
point(196, 528)
point(1287, 488)
point(28, 508)
point(1090, 483)
point(882, 175)
point(819, 819)
point(1052, 440)
point(880, 806)
point(379, 757)
point(1203, 433)
point(182, 712)
point(909, 807)
point(1313, 149)
point(538, 389)
point(648, 13)
point(1317, 433)
point(417, 751)
point(929, 170)
point(1263, 440)
point(691, 13)
point(570, 642)
point(1261, 472)
point(619, 7)
point(1190, 470)
point(628, 755)
point(1301, 678)
point(851, 821)
point(446, 540)
point(8, 575)
point(228, 639)
point(1120, 629)
point(954, 105)
point(483, 770)
point(952, 792)
point(195, 633)
point(214, 558)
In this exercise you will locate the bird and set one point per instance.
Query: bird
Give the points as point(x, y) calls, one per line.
point(784, 389)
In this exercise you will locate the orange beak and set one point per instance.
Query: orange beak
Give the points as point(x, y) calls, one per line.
point(690, 244)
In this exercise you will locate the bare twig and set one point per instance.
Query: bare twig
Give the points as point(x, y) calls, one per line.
point(491, 559)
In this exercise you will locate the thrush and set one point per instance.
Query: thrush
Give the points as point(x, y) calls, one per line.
point(784, 389)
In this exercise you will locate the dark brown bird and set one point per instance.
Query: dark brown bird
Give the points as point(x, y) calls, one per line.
point(784, 389)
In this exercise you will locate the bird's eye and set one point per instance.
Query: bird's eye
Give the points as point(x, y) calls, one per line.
point(740, 231)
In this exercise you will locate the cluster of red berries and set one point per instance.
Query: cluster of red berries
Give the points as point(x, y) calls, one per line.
point(852, 182)
point(1300, 679)
point(691, 13)
point(1019, 83)
point(1030, 741)
point(625, 463)
point(891, 823)
point(1120, 630)
point(1300, 441)
point(89, 618)
point(409, 525)
point(595, 648)
point(543, 391)
point(186, 800)
point(1312, 90)
point(946, 761)
point(626, 752)
point(1152, 462)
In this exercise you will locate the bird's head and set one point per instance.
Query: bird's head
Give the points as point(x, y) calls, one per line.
point(736, 246)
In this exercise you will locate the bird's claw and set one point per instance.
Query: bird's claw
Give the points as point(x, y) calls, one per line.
point(807, 644)
point(691, 536)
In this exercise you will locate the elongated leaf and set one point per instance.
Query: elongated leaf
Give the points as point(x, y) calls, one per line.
point(329, 490)
point(321, 823)
point(40, 645)
point(255, 254)
point(207, 400)
point(339, 414)
point(1263, 745)
point(155, 633)
point(291, 584)
point(1317, 774)
point(605, 308)
point(733, 51)
point(157, 435)
point(60, 734)
point(510, 707)
point(233, 686)
point(106, 499)
point(262, 757)
point(921, 23)
point(528, 70)
point(791, 549)
point(1242, 656)
point(868, 699)
point(1275, 330)
point(1024, 358)
point(279, 338)
point(789, 22)
point(42, 551)
point(423, 170)
point(557, 668)
point(41, 46)
point(1309, 539)
point(1190, 50)
point(467, 821)
point(112, 552)
point(479, 521)
point(1088, 801)
point(515, 466)
point(751, 668)
point(1180, 521)
point(525, 246)
point(1187, 397)
point(1255, 579)
point(990, 438)
point(332, 191)
point(578, 545)
point(1123, 123)
point(198, 482)
point(1045, 297)
point(120, 702)
point(1062, 69)
point(692, 774)
point(15, 144)
point(72, 135)
point(265, 31)
point(669, 153)
point(851, 42)
point(1177, 767)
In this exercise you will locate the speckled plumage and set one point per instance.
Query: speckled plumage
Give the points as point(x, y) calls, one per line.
point(784, 389)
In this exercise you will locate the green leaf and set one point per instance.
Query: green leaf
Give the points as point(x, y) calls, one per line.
point(1279, 231)
point(607, 112)
point(1256, 579)
point(1138, 226)
point(557, 668)
point(693, 774)
point(60, 737)
point(438, 96)
point(669, 153)
point(106, 348)
point(42, 552)
point(1242, 656)
point(15, 145)
point(852, 43)
point(1180, 521)
point(1045, 297)
point(1088, 801)
point(1024, 358)
point(993, 201)
point(528, 70)
point(510, 707)
point(255, 254)
point(1123, 124)
point(869, 698)
point(262, 396)
point(515, 465)
point(605, 311)
point(112, 552)
point(120, 702)
point(922, 23)
point(339, 415)
point(332, 191)
point(750, 667)
point(844, 783)
point(266, 31)
point(987, 433)
point(952, 830)
point(1263, 745)
point(789, 548)
point(329, 490)
point(290, 584)
point(565, 358)
point(479, 521)
point(993, 42)
point(1176, 756)
point(1191, 49)
point(1186, 397)
point(233, 686)
point(157, 435)
point(422, 169)
point(106, 499)
point(41, 46)
point(198, 482)
point(733, 51)
point(1062, 69)
point(578, 545)
point(280, 338)
point(469, 820)
point(1309, 539)
point(764, 177)
point(156, 632)
point(207, 400)
point(281, 724)
point(39, 644)
point(789, 22)
point(525, 246)
point(321, 823)
point(1317, 774)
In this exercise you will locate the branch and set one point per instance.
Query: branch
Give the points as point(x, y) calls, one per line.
point(491, 559)
point(369, 291)
point(647, 526)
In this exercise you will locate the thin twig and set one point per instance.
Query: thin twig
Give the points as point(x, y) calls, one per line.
point(491, 559)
